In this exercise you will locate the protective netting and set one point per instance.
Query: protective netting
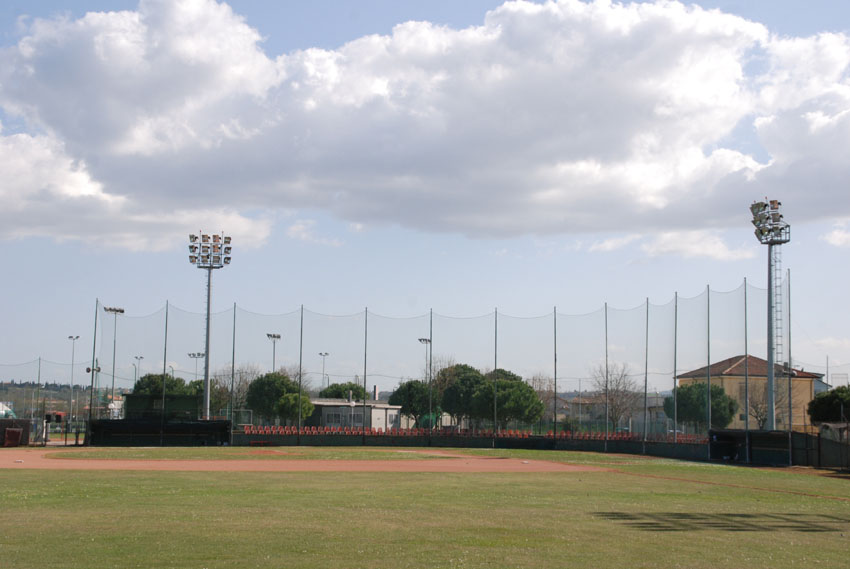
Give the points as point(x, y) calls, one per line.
point(649, 345)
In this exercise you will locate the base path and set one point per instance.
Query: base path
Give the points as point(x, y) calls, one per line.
point(38, 458)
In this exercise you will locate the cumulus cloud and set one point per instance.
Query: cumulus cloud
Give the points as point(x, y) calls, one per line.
point(613, 243)
point(695, 244)
point(558, 117)
point(839, 236)
point(302, 230)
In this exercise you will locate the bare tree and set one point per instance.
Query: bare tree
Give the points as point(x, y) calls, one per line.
point(759, 409)
point(621, 389)
point(242, 378)
point(544, 386)
point(440, 380)
point(293, 374)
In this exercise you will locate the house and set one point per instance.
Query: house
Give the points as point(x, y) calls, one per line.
point(732, 374)
point(345, 413)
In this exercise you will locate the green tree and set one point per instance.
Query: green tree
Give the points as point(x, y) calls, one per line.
point(831, 406)
point(515, 399)
point(340, 391)
point(265, 392)
point(461, 380)
point(691, 401)
point(287, 406)
point(151, 384)
point(412, 396)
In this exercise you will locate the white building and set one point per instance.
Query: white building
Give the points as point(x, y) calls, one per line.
point(344, 413)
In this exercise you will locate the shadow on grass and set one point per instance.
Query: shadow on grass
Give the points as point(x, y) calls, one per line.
point(678, 521)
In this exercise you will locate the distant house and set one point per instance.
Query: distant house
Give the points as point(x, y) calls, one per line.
point(731, 374)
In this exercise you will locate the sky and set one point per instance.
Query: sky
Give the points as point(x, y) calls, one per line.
point(409, 156)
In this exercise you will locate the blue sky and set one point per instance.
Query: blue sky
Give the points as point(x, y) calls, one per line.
point(408, 156)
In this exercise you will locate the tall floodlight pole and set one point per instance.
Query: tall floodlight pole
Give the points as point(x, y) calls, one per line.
point(274, 338)
point(209, 252)
point(196, 356)
point(115, 311)
point(71, 397)
point(324, 355)
point(139, 366)
point(771, 230)
point(427, 343)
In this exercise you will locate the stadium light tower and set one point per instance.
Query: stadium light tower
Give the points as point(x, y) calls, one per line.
point(115, 311)
point(427, 343)
point(71, 397)
point(773, 231)
point(195, 356)
point(274, 338)
point(139, 366)
point(208, 252)
point(324, 355)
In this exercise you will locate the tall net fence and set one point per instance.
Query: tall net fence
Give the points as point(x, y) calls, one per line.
point(569, 358)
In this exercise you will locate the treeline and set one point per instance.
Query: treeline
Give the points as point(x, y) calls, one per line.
point(465, 393)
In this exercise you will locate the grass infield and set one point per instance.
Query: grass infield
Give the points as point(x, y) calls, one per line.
point(643, 512)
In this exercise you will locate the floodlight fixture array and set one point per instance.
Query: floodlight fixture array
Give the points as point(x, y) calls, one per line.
point(771, 228)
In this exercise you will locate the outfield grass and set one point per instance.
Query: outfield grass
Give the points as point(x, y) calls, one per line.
point(642, 513)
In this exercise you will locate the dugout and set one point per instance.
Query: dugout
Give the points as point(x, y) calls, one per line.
point(156, 432)
point(765, 447)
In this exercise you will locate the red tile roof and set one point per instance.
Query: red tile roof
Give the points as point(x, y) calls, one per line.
point(740, 365)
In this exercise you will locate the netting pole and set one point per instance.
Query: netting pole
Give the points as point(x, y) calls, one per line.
point(300, 373)
point(232, 373)
point(93, 366)
point(606, 377)
point(495, 367)
point(430, 373)
point(365, 355)
point(37, 398)
point(555, 365)
point(164, 362)
point(675, 364)
point(708, 366)
point(790, 376)
point(646, 378)
point(746, 377)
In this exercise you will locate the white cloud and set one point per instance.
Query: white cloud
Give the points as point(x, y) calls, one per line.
point(695, 244)
point(839, 236)
point(302, 230)
point(613, 243)
point(560, 117)
point(47, 193)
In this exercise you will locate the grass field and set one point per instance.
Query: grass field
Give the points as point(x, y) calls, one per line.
point(643, 512)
